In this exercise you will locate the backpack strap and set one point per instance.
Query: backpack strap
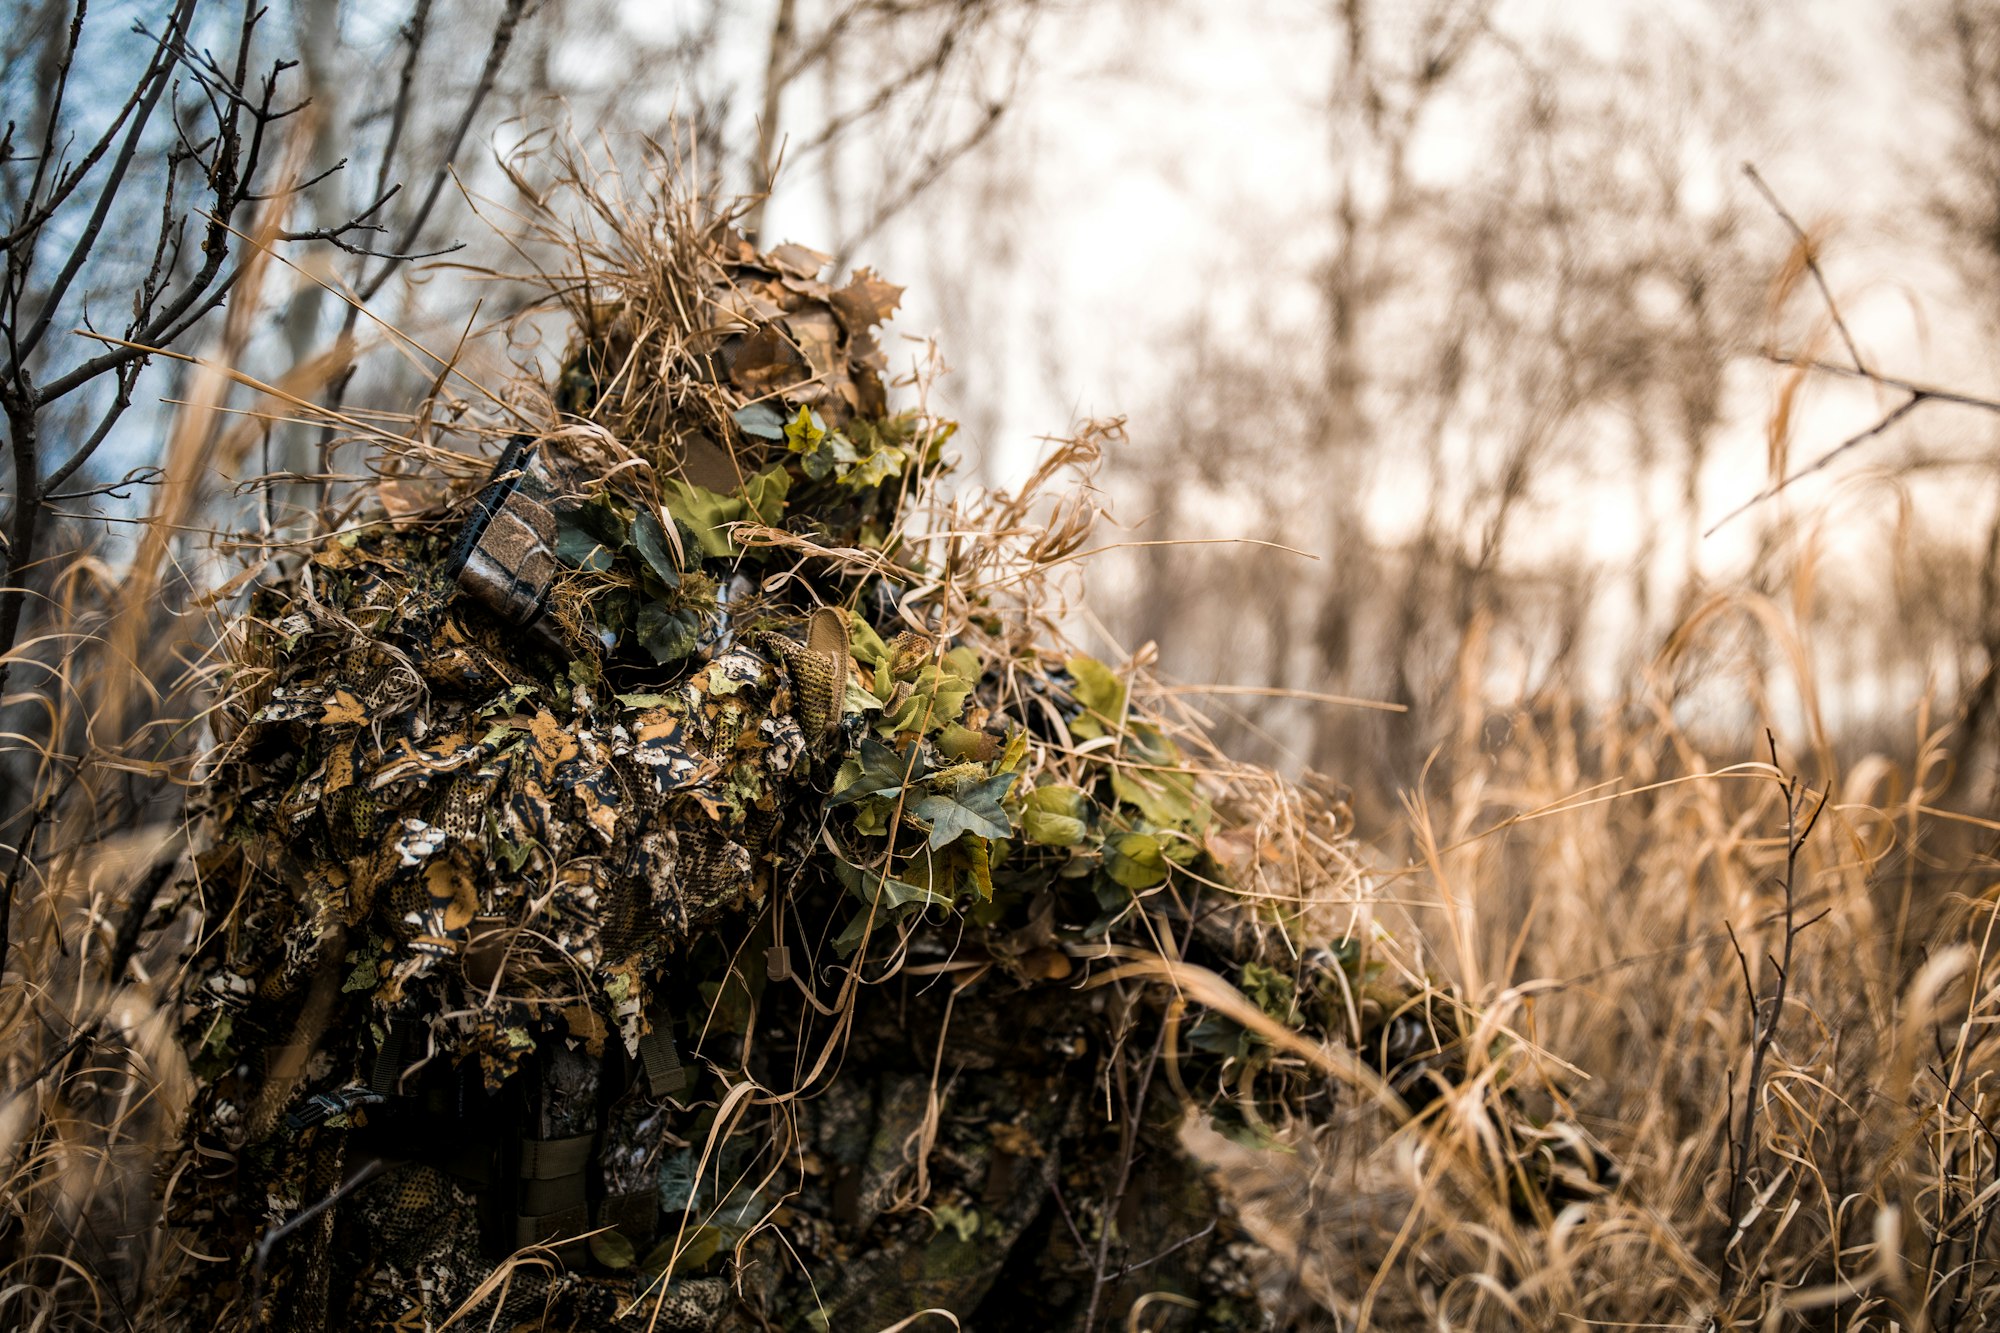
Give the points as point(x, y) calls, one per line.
point(553, 1188)
point(392, 1057)
point(665, 1075)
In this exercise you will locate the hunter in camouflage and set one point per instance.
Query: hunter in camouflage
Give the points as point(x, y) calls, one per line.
point(661, 888)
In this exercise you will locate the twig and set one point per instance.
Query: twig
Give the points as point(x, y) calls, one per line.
point(1134, 1118)
point(1915, 394)
point(1171, 1250)
point(489, 73)
point(1764, 1020)
point(1908, 406)
point(1811, 253)
point(148, 475)
point(1929, 391)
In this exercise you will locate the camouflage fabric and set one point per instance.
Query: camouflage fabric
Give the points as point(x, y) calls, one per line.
point(516, 874)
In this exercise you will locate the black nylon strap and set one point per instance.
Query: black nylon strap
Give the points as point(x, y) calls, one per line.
point(392, 1056)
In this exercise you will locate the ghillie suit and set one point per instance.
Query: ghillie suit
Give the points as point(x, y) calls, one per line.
point(678, 883)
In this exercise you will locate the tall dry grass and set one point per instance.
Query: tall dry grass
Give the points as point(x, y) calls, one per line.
point(1760, 968)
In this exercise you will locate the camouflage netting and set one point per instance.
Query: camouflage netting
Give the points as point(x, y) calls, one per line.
point(681, 881)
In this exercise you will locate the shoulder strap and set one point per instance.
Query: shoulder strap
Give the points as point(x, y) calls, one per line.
point(662, 1063)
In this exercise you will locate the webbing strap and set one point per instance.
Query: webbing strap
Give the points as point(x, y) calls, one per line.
point(537, 1228)
point(550, 1196)
point(664, 1074)
point(553, 1159)
point(636, 1215)
point(551, 1193)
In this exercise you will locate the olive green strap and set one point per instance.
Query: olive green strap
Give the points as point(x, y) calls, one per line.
point(554, 1159)
point(664, 1074)
point(535, 1229)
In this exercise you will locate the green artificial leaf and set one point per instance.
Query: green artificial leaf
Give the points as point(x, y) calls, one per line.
point(937, 696)
point(219, 1032)
point(1218, 1035)
point(507, 700)
point(964, 662)
point(364, 977)
point(1268, 989)
point(1158, 783)
point(877, 770)
point(651, 540)
point(872, 816)
point(961, 1222)
point(614, 613)
point(706, 514)
point(702, 1243)
point(963, 743)
point(974, 864)
point(1056, 816)
point(513, 855)
point(762, 420)
point(613, 1250)
point(766, 493)
point(1135, 861)
point(818, 465)
point(886, 891)
point(804, 432)
point(641, 701)
point(1166, 798)
point(1015, 751)
point(974, 808)
point(850, 939)
point(859, 698)
point(941, 431)
point(676, 1181)
point(581, 549)
point(875, 469)
point(590, 535)
point(862, 640)
point(667, 635)
point(1101, 693)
